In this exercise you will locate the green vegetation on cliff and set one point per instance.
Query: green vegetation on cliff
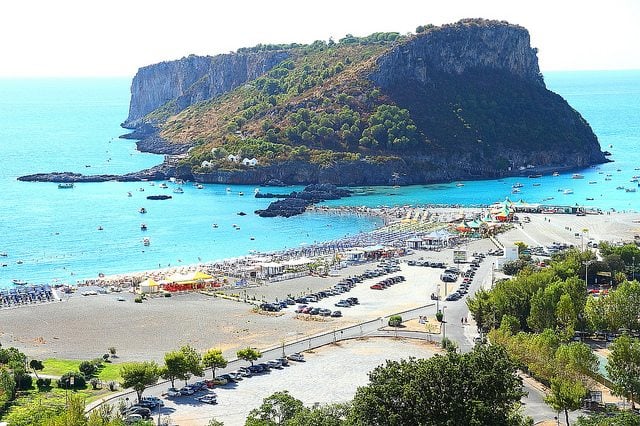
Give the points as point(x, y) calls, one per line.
point(480, 108)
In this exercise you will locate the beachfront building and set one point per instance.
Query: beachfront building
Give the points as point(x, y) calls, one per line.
point(435, 240)
point(284, 270)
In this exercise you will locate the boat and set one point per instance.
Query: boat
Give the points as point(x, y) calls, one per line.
point(252, 238)
point(143, 226)
point(141, 189)
point(459, 184)
point(66, 185)
point(129, 194)
point(152, 184)
point(567, 191)
point(158, 197)
point(3, 254)
point(146, 241)
point(240, 193)
point(607, 178)
point(591, 182)
point(515, 191)
point(536, 184)
point(200, 186)
point(256, 191)
point(517, 185)
point(577, 176)
point(630, 189)
point(589, 198)
point(619, 187)
point(228, 189)
point(241, 214)
point(536, 176)
point(178, 190)
point(142, 210)
point(163, 185)
point(555, 174)
point(100, 228)
point(19, 282)
point(215, 225)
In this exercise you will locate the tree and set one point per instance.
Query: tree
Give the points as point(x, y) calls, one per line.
point(480, 387)
point(249, 354)
point(325, 415)
point(622, 418)
point(139, 375)
point(193, 361)
point(623, 367)
point(213, 359)
point(175, 367)
point(36, 366)
point(276, 409)
point(214, 422)
point(566, 395)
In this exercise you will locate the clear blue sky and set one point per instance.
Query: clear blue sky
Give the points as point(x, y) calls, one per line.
point(116, 37)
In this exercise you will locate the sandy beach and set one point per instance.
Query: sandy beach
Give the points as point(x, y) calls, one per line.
point(84, 327)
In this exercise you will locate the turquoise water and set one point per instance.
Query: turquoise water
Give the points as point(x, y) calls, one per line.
point(67, 125)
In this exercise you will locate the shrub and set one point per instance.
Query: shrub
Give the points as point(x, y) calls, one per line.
point(43, 383)
point(88, 368)
point(138, 299)
point(79, 382)
point(95, 383)
point(113, 386)
point(395, 321)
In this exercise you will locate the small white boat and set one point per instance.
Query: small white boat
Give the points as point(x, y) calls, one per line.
point(256, 191)
point(215, 225)
point(178, 190)
point(67, 185)
point(619, 187)
point(240, 193)
point(517, 185)
point(163, 185)
point(577, 176)
point(459, 184)
point(567, 191)
point(630, 189)
point(19, 282)
point(515, 191)
point(199, 186)
point(555, 174)
point(142, 210)
point(129, 194)
point(141, 189)
point(228, 189)
point(146, 241)
point(591, 182)
point(152, 184)
point(143, 226)
point(3, 254)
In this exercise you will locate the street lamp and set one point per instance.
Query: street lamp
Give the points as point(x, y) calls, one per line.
point(586, 270)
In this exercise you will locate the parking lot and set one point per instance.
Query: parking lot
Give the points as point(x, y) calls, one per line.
point(323, 378)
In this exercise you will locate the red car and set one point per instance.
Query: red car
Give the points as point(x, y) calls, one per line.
point(377, 287)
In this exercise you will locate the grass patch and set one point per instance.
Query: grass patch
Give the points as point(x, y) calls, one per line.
point(57, 367)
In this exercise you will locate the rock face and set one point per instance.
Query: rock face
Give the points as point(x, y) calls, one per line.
point(297, 202)
point(456, 48)
point(192, 79)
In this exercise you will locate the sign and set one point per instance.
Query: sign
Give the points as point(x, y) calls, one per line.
point(459, 256)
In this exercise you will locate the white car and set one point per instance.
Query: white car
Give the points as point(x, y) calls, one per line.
point(154, 399)
point(173, 392)
point(208, 399)
point(296, 357)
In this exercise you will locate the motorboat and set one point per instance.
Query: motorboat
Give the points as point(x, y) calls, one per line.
point(143, 226)
point(200, 186)
point(567, 191)
point(240, 193)
point(515, 191)
point(619, 187)
point(577, 176)
point(142, 210)
point(146, 241)
point(591, 182)
point(66, 185)
point(459, 184)
point(630, 189)
point(163, 185)
point(517, 185)
point(555, 174)
point(178, 190)
point(19, 282)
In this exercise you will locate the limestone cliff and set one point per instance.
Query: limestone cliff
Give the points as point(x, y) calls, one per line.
point(180, 83)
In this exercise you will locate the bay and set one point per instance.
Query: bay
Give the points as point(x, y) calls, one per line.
point(73, 125)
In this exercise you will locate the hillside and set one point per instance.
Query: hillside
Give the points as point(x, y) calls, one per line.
point(460, 101)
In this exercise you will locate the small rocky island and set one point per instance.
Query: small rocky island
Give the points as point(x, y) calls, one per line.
point(461, 101)
point(297, 202)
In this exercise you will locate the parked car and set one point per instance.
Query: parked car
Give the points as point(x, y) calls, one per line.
point(353, 300)
point(274, 364)
point(283, 361)
point(153, 399)
point(227, 377)
point(186, 390)
point(173, 392)
point(208, 399)
point(141, 411)
point(343, 304)
point(133, 418)
point(376, 287)
point(256, 369)
point(297, 356)
point(336, 314)
point(245, 372)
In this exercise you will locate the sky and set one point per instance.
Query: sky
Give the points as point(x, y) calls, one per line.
point(71, 38)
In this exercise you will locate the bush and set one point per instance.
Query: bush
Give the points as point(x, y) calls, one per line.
point(79, 382)
point(88, 368)
point(113, 386)
point(439, 316)
point(23, 381)
point(395, 321)
point(43, 383)
point(138, 299)
point(95, 383)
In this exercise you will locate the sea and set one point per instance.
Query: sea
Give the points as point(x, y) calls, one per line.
point(53, 235)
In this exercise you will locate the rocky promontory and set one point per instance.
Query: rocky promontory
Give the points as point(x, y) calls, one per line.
point(297, 202)
point(160, 172)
